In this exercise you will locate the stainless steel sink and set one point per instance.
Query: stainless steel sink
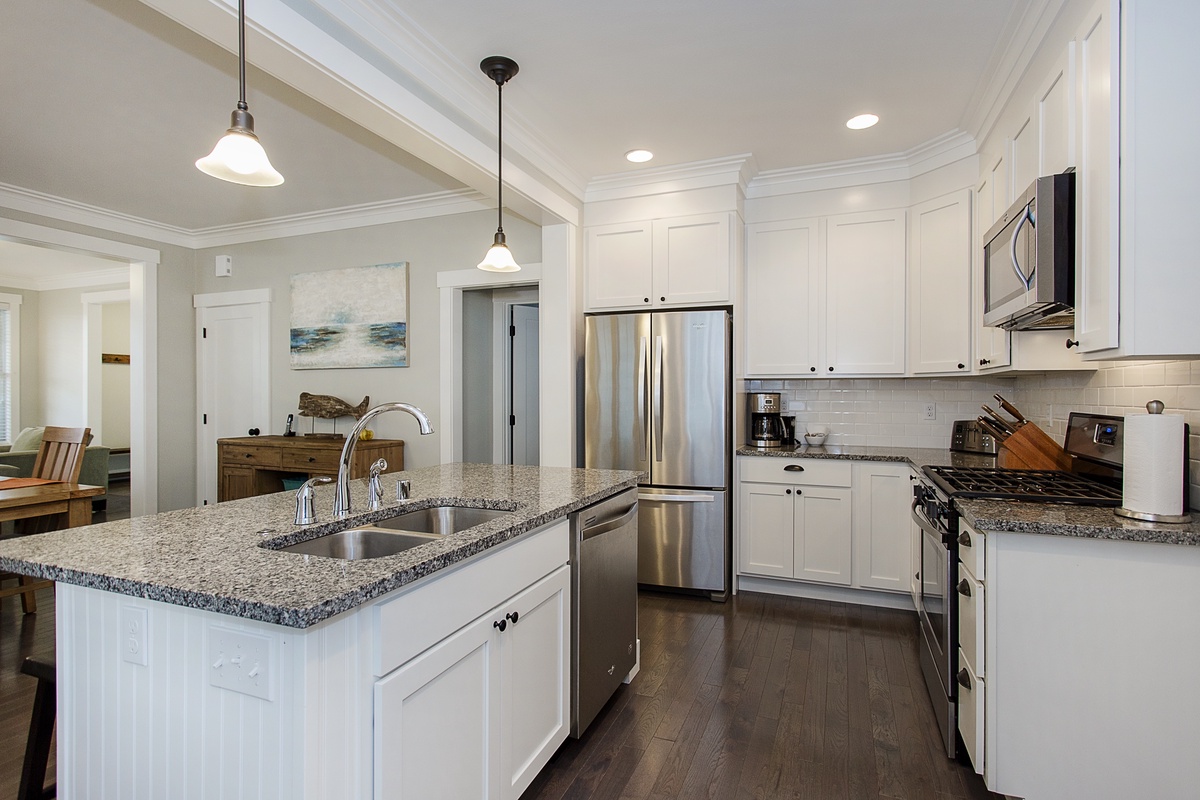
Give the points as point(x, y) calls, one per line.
point(440, 520)
point(358, 543)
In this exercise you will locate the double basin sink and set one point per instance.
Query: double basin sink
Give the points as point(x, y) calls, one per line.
point(393, 535)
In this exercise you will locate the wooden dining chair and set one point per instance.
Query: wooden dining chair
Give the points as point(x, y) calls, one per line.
point(60, 458)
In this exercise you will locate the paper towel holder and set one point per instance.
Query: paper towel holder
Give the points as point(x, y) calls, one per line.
point(1157, 407)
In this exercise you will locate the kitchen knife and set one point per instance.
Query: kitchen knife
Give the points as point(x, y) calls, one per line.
point(993, 429)
point(1011, 409)
point(998, 420)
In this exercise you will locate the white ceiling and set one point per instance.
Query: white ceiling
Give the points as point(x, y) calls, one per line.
point(108, 103)
point(25, 266)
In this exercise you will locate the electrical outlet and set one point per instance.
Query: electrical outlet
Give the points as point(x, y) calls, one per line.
point(239, 661)
point(133, 635)
point(929, 411)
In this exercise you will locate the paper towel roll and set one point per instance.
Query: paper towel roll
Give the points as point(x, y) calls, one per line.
point(1153, 464)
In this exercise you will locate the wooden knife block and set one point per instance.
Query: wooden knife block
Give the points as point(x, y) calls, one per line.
point(1032, 448)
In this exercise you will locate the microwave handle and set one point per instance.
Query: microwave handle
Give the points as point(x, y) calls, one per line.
point(1027, 282)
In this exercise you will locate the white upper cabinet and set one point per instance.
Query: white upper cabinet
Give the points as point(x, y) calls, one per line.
point(783, 298)
point(682, 261)
point(1056, 117)
point(865, 293)
point(991, 344)
point(939, 313)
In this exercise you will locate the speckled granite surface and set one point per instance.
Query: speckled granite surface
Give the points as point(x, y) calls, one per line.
point(1048, 519)
point(210, 558)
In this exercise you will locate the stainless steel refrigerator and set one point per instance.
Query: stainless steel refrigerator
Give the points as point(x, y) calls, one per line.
point(657, 399)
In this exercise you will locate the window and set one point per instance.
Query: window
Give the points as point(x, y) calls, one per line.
point(10, 357)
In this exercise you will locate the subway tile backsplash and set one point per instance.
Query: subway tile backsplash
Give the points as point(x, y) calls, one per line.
point(888, 412)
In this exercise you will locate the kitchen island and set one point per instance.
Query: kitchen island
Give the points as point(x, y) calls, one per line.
point(194, 661)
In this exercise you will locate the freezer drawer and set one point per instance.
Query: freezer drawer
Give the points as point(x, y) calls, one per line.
point(682, 538)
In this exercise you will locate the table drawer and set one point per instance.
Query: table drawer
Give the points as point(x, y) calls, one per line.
point(305, 460)
point(249, 455)
point(802, 471)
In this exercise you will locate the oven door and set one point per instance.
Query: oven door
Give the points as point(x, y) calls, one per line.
point(939, 621)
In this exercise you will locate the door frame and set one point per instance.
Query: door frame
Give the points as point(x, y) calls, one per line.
point(93, 346)
point(503, 301)
point(206, 457)
point(143, 344)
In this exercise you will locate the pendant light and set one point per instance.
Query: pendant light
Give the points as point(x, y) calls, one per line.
point(238, 156)
point(499, 258)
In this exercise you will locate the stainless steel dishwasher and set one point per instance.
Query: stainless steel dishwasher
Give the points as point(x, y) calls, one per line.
point(604, 544)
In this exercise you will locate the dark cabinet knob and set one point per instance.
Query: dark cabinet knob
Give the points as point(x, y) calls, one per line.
point(513, 616)
point(645, 299)
point(831, 369)
point(501, 624)
point(964, 679)
point(312, 459)
point(964, 588)
point(1072, 343)
point(662, 299)
point(964, 539)
point(812, 369)
point(962, 365)
point(787, 491)
point(793, 468)
point(983, 362)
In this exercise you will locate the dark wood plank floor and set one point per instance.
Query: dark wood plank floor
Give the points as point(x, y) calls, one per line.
point(21, 635)
point(765, 697)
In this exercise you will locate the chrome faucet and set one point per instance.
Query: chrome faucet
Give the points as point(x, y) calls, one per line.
point(341, 494)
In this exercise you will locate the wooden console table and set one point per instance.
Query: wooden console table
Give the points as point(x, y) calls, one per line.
point(252, 465)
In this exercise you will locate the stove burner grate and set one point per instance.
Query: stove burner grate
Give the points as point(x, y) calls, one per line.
point(1034, 485)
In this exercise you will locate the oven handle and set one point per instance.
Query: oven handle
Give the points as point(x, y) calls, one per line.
point(927, 526)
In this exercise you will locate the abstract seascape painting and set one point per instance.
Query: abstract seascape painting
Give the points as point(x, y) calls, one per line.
point(346, 318)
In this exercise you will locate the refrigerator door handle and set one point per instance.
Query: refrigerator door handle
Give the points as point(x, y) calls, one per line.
point(678, 498)
point(643, 410)
point(658, 398)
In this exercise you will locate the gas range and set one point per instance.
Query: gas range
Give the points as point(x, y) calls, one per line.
point(1030, 485)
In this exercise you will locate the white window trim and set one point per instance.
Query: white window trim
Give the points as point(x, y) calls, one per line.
point(14, 342)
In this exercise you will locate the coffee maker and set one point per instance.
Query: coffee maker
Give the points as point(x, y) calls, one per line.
point(766, 424)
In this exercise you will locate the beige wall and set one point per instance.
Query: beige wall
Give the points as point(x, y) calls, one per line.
point(30, 367)
point(114, 378)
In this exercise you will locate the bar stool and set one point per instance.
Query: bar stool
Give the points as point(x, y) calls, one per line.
point(41, 729)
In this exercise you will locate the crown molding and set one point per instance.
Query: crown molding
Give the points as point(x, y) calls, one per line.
point(736, 170)
point(437, 204)
point(77, 280)
point(937, 152)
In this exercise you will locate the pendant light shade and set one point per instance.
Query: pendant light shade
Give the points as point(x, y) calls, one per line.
point(499, 258)
point(238, 156)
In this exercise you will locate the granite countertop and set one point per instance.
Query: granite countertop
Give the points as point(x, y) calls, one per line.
point(210, 557)
point(1001, 516)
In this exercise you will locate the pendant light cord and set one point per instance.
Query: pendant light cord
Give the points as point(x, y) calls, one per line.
point(242, 55)
point(500, 156)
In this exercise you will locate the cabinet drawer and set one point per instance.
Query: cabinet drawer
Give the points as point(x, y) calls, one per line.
point(802, 471)
point(970, 622)
point(970, 550)
point(302, 460)
point(250, 455)
point(970, 712)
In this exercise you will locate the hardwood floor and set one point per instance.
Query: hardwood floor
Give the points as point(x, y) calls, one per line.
point(764, 697)
point(21, 635)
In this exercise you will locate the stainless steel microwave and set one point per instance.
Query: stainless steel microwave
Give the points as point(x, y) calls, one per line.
point(1029, 259)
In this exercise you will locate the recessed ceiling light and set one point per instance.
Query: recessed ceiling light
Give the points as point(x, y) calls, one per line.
point(639, 156)
point(861, 121)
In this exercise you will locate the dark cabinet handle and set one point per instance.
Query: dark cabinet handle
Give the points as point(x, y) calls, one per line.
point(1072, 343)
point(964, 539)
point(312, 459)
point(962, 366)
point(787, 491)
point(964, 679)
point(812, 369)
point(793, 468)
point(513, 616)
point(831, 369)
point(983, 362)
point(662, 299)
point(645, 299)
point(964, 588)
point(501, 624)
point(249, 455)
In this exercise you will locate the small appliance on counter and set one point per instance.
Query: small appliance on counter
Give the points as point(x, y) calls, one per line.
point(766, 419)
point(969, 436)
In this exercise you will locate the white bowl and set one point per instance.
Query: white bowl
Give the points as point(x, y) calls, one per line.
point(815, 439)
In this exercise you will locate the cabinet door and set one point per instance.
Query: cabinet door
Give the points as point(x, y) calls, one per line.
point(992, 345)
point(865, 293)
point(1097, 285)
point(619, 265)
point(1056, 117)
point(535, 694)
point(939, 320)
point(692, 260)
point(437, 721)
point(1024, 153)
point(822, 534)
point(782, 293)
point(236, 483)
point(765, 546)
point(882, 527)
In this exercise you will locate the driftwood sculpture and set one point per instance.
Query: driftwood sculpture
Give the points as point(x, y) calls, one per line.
point(326, 406)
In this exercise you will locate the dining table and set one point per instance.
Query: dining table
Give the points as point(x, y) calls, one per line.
point(21, 501)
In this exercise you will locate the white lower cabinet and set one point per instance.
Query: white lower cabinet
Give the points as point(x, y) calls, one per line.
point(971, 671)
point(479, 713)
point(825, 521)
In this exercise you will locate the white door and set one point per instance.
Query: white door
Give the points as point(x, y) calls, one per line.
point(524, 411)
point(765, 514)
point(233, 379)
point(822, 529)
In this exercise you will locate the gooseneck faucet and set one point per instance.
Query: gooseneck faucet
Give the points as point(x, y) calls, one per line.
point(341, 495)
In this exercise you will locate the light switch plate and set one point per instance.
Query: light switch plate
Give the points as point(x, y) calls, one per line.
point(133, 635)
point(240, 661)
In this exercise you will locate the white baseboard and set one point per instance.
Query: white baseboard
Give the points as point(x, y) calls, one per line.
point(819, 591)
